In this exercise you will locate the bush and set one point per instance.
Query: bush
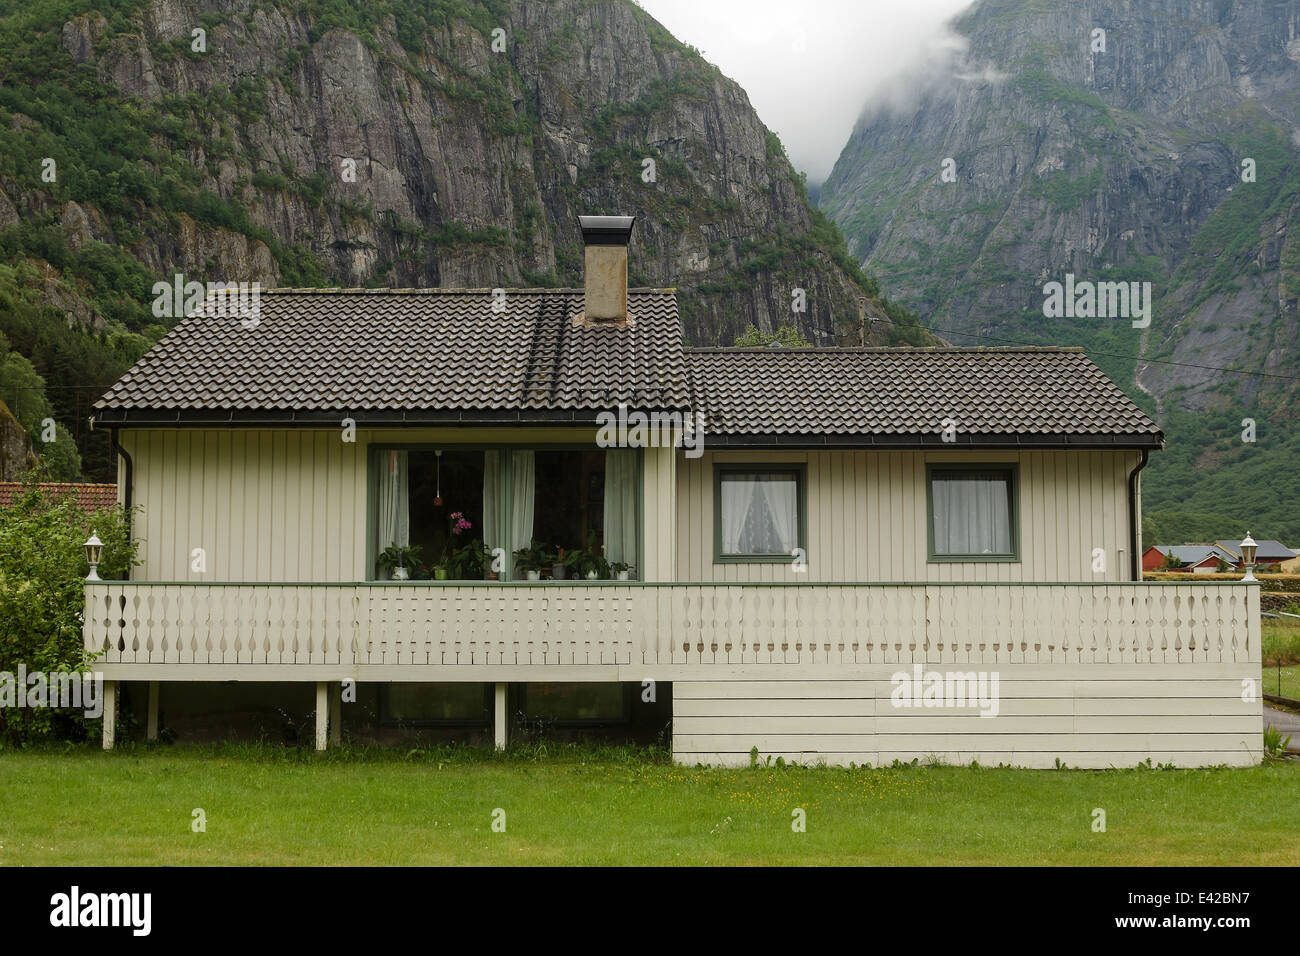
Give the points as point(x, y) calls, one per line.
point(42, 567)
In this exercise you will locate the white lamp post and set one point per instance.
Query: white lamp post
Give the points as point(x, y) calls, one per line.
point(94, 548)
point(1248, 551)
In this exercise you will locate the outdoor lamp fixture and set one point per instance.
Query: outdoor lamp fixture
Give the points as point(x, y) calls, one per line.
point(1248, 551)
point(94, 548)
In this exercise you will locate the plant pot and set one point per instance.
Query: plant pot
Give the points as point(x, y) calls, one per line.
point(492, 576)
point(592, 575)
point(401, 574)
point(534, 575)
point(622, 575)
point(440, 575)
point(557, 572)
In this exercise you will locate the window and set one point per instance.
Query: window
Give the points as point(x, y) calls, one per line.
point(548, 513)
point(576, 703)
point(433, 704)
point(758, 512)
point(973, 513)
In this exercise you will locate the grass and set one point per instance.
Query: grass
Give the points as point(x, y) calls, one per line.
point(267, 805)
point(1284, 682)
point(1280, 639)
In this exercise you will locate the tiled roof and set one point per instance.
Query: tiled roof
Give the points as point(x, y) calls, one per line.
point(904, 396)
point(1274, 550)
point(1194, 554)
point(380, 354)
point(89, 497)
point(416, 355)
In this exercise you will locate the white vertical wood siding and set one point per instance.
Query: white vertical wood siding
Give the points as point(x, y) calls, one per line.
point(274, 505)
point(867, 517)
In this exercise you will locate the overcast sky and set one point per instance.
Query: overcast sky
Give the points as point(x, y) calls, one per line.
point(810, 66)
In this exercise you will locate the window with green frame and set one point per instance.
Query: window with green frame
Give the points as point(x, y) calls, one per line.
point(759, 512)
point(973, 512)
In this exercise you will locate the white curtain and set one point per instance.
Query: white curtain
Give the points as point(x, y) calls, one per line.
point(620, 505)
point(783, 505)
point(972, 513)
point(760, 514)
point(393, 526)
point(738, 493)
point(492, 500)
point(523, 479)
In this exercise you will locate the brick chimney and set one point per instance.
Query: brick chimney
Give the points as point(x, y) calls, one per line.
point(605, 284)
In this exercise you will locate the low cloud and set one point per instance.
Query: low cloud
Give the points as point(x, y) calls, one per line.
point(811, 69)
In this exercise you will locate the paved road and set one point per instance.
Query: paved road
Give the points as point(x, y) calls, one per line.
point(1284, 721)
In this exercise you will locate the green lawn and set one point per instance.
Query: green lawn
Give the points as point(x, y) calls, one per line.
point(1281, 641)
point(273, 806)
point(1284, 682)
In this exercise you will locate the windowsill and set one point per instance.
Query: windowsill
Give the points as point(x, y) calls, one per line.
point(753, 558)
point(974, 559)
point(474, 582)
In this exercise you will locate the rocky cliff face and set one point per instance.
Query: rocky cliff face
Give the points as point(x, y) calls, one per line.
point(1129, 163)
point(434, 144)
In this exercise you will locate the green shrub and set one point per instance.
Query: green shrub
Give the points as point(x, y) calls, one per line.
point(42, 567)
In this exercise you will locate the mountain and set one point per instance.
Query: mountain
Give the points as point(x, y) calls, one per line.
point(1169, 157)
point(394, 143)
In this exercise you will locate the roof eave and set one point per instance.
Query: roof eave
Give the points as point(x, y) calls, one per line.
point(903, 442)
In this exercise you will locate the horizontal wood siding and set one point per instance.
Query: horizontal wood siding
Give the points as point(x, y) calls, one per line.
point(867, 517)
point(1082, 715)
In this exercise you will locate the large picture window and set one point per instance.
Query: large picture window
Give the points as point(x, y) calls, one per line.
point(546, 514)
point(973, 513)
point(758, 512)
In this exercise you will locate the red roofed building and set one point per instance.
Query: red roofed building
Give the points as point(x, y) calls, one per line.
point(90, 497)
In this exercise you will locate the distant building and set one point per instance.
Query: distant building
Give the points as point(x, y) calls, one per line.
point(1196, 558)
point(1270, 552)
point(90, 497)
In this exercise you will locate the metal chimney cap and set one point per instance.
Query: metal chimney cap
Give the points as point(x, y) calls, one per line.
point(606, 230)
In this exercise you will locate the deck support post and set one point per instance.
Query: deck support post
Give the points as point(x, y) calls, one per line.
point(322, 714)
point(336, 713)
point(500, 726)
point(151, 727)
point(110, 713)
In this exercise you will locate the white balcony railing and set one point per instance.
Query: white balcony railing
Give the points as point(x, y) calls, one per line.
point(349, 625)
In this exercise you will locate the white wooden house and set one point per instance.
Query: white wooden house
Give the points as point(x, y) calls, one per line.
point(839, 541)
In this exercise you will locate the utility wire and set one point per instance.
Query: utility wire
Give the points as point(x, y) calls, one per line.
point(1135, 358)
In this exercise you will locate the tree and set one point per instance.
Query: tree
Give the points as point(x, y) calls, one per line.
point(787, 336)
point(42, 570)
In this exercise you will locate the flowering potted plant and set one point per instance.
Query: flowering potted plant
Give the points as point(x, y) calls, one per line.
point(456, 526)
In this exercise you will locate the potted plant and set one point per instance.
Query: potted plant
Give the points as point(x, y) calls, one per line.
point(398, 559)
point(621, 570)
point(587, 562)
point(471, 562)
point(531, 560)
point(559, 563)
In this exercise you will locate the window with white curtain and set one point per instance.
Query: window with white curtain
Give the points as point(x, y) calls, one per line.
point(758, 512)
point(973, 513)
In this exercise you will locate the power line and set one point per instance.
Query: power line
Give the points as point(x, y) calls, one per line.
point(1134, 358)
